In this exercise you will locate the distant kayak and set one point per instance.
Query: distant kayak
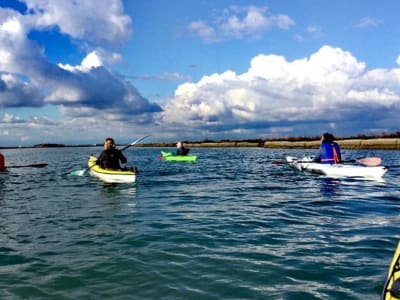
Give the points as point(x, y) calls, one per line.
point(336, 170)
point(109, 175)
point(392, 285)
point(169, 156)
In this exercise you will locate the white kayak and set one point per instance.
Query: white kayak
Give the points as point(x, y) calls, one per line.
point(336, 170)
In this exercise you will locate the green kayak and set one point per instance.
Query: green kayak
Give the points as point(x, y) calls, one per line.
point(169, 156)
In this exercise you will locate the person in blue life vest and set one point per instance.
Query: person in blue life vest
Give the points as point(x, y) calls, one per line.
point(181, 150)
point(2, 163)
point(329, 151)
point(110, 156)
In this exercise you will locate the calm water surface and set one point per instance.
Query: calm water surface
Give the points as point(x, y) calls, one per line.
point(233, 225)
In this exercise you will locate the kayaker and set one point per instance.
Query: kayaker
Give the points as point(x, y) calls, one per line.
point(110, 156)
point(329, 151)
point(2, 163)
point(181, 150)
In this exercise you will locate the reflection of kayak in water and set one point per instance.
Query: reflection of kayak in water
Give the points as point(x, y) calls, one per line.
point(109, 175)
point(392, 285)
point(169, 156)
point(336, 170)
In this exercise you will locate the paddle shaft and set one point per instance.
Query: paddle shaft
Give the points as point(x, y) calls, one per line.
point(41, 165)
point(134, 143)
point(127, 146)
point(368, 161)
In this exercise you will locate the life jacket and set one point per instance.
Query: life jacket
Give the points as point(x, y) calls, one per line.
point(330, 153)
point(2, 164)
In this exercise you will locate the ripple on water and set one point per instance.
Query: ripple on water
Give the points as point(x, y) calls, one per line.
point(230, 226)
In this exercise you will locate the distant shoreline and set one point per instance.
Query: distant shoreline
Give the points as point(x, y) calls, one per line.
point(356, 144)
point(376, 144)
point(368, 143)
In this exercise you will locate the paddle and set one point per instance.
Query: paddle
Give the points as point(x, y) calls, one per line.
point(82, 172)
point(41, 165)
point(367, 161)
point(135, 142)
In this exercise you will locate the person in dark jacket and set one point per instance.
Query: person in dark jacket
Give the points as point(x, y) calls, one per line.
point(110, 156)
point(329, 151)
point(181, 150)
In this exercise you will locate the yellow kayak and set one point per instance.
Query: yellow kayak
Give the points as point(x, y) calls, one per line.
point(109, 175)
point(392, 285)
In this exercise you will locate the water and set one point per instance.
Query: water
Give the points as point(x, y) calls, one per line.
point(233, 225)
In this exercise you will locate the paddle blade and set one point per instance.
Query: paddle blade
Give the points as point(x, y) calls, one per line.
point(370, 161)
point(78, 173)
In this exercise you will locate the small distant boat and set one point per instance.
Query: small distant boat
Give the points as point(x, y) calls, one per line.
point(169, 156)
point(392, 285)
point(109, 175)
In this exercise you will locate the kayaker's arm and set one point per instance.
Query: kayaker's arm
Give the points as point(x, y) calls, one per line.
point(99, 160)
point(317, 157)
point(122, 157)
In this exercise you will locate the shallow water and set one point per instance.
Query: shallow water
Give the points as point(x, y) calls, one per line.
point(233, 225)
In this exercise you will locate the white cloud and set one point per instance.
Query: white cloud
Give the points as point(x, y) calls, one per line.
point(330, 87)
point(11, 26)
point(94, 59)
point(203, 30)
point(100, 21)
point(314, 31)
point(16, 93)
point(167, 77)
point(237, 22)
point(9, 118)
point(28, 78)
point(369, 22)
point(282, 21)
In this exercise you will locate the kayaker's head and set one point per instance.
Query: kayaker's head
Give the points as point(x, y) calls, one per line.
point(179, 145)
point(109, 143)
point(327, 137)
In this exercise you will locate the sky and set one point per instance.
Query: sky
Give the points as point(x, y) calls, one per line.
point(75, 72)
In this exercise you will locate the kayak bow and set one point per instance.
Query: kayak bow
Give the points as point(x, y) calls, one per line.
point(392, 285)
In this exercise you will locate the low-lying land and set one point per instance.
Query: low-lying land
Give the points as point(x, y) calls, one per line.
point(379, 143)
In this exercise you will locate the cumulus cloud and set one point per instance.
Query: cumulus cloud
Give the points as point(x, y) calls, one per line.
point(17, 131)
point(28, 78)
point(102, 89)
point(17, 93)
point(237, 22)
point(328, 88)
point(99, 21)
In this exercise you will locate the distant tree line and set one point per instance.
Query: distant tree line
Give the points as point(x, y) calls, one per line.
point(259, 141)
point(305, 138)
point(48, 145)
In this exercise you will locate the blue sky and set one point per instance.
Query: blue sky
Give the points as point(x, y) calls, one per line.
point(191, 70)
